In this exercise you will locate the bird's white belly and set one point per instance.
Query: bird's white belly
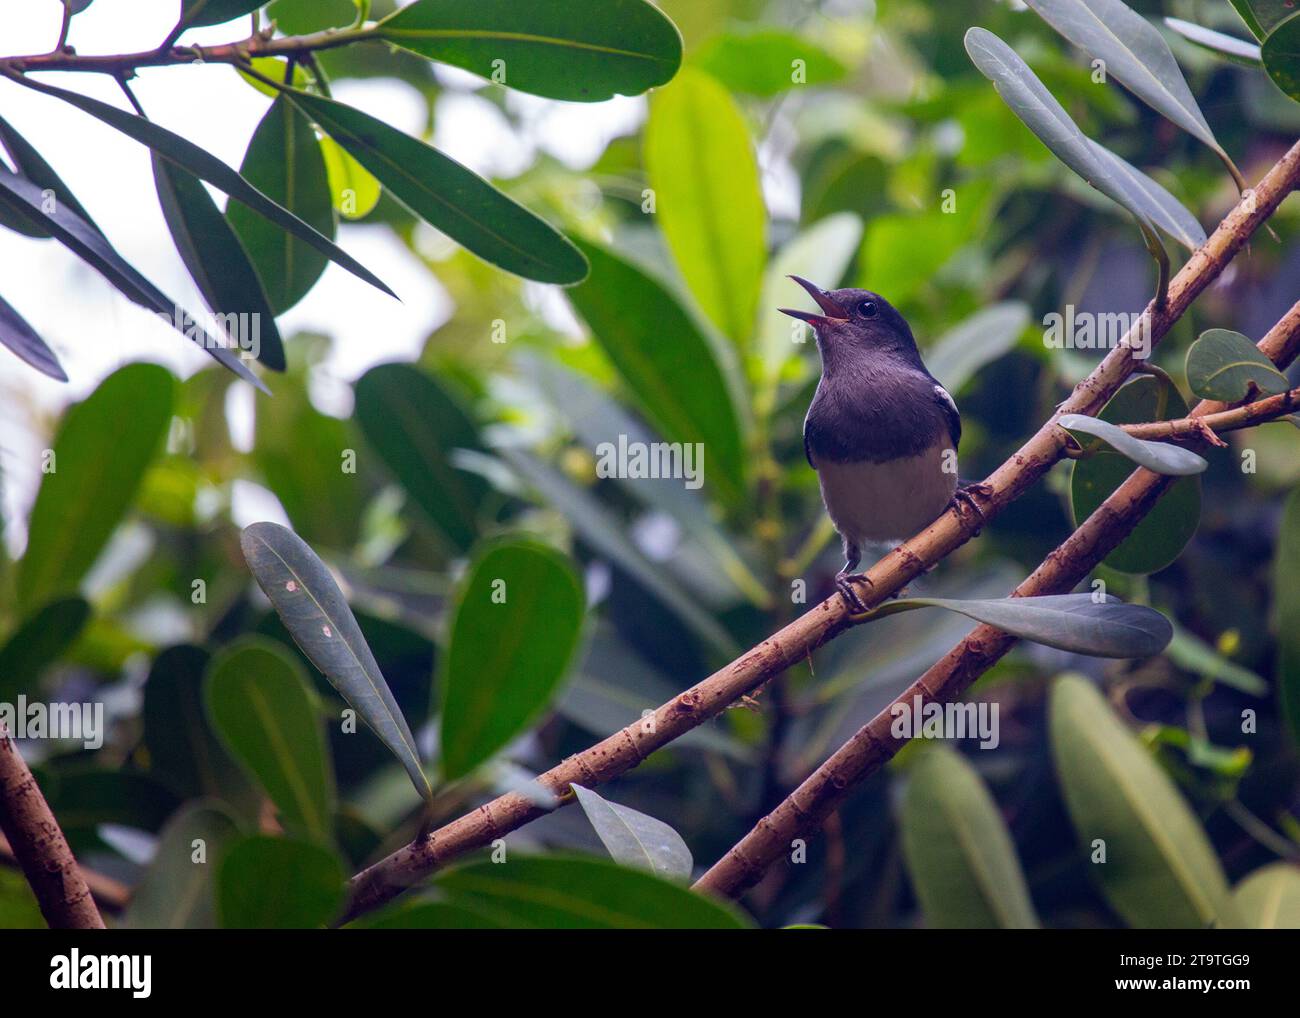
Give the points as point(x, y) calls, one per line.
point(888, 501)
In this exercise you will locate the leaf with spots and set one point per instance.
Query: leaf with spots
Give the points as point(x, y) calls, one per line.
point(317, 615)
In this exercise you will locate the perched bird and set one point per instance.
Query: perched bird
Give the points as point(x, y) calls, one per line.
point(881, 432)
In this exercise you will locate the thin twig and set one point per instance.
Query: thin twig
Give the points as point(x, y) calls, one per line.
point(806, 808)
point(629, 746)
point(40, 847)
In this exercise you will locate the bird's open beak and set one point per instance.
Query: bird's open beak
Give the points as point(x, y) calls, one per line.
point(833, 312)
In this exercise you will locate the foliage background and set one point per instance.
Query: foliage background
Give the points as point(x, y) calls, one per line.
point(677, 581)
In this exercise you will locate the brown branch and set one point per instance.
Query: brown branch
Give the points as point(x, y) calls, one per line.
point(807, 807)
point(112, 895)
point(257, 45)
point(40, 847)
point(1206, 426)
point(628, 747)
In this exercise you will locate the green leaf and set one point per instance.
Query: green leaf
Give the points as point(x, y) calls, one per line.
point(512, 636)
point(417, 428)
point(1286, 602)
point(449, 196)
point(1160, 869)
point(767, 62)
point(821, 252)
point(1020, 88)
point(23, 197)
point(1269, 898)
point(581, 50)
point(32, 165)
point(205, 166)
point(1227, 46)
point(22, 339)
point(959, 354)
point(1073, 622)
point(1193, 655)
point(302, 17)
point(183, 750)
point(259, 702)
point(1136, 54)
point(1262, 16)
point(1166, 529)
point(1224, 365)
point(178, 891)
point(1161, 207)
point(682, 377)
point(1281, 54)
point(313, 609)
point(555, 892)
point(700, 162)
point(215, 12)
point(278, 884)
point(84, 797)
point(353, 188)
point(100, 456)
point(635, 839)
point(607, 536)
point(1162, 457)
point(218, 262)
point(276, 69)
point(284, 162)
point(39, 641)
point(424, 915)
point(959, 853)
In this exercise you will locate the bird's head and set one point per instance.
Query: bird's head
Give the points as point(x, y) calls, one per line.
point(854, 323)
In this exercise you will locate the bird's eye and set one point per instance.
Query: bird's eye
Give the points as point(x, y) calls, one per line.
point(867, 309)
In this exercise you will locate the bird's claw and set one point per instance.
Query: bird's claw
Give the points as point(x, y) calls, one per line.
point(965, 495)
point(844, 584)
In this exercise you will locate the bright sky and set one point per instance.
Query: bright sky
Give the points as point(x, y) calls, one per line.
point(94, 330)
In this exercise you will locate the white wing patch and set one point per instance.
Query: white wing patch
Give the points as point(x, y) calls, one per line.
point(943, 394)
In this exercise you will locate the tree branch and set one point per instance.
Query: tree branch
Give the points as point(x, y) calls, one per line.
point(1208, 425)
point(40, 847)
point(628, 747)
point(111, 895)
point(874, 744)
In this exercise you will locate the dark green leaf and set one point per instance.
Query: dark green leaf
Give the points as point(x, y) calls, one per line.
point(100, 455)
point(683, 378)
point(23, 197)
point(1286, 602)
point(1074, 622)
point(1135, 53)
point(32, 165)
point(278, 884)
point(635, 839)
point(218, 262)
point(554, 892)
point(38, 642)
point(1281, 54)
point(1162, 457)
point(178, 891)
point(1269, 898)
point(1228, 46)
point(424, 915)
point(22, 339)
point(284, 162)
point(767, 62)
point(1160, 869)
point(582, 50)
point(448, 196)
point(416, 427)
point(1166, 529)
point(1262, 16)
point(258, 701)
point(83, 798)
point(1224, 365)
point(316, 614)
point(216, 12)
point(700, 162)
point(183, 750)
point(302, 17)
point(205, 166)
point(959, 853)
point(512, 636)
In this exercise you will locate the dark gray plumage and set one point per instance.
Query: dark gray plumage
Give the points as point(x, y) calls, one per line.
point(881, 432)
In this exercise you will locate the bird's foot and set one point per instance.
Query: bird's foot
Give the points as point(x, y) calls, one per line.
point(965, 495)
point(844, 584)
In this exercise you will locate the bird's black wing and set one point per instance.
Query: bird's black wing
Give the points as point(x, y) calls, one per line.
point(807, 449)
point(950, 413)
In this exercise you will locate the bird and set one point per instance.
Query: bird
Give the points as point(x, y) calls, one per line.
point(881, 431)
